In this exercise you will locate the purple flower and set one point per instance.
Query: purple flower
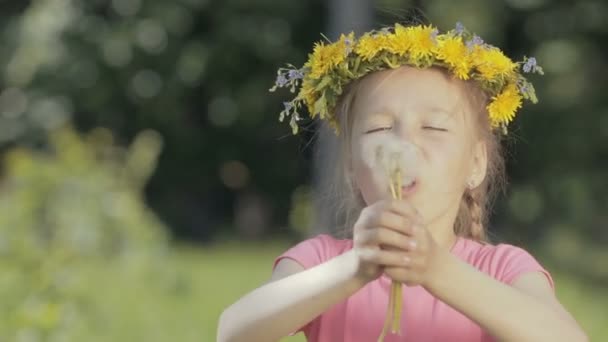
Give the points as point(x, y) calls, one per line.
point(530, 65)
point(349, 46)
point(295, 75)
point(459, 28)
point(523, 88)
point(476, 41)
point(281, 81)
point(288, 106)
point(434, 34)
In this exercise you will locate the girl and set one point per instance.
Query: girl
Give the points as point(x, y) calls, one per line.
point(448, 98)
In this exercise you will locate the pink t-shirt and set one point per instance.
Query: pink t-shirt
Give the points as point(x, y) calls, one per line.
point(425, 318)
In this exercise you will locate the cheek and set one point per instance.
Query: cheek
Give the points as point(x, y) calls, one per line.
point(368, 183)
point(448, 163)
point(442, 178)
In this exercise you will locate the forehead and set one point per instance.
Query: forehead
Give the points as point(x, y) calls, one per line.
point(409, 89)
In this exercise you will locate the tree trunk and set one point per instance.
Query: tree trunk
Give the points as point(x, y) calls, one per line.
point(344, 16)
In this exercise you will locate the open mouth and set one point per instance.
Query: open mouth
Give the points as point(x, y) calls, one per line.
point(409, 188)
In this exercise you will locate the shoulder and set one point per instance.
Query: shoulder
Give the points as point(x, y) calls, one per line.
point(503, 261)
point(315, 250)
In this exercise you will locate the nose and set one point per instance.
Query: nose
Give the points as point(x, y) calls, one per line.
point(406, 133)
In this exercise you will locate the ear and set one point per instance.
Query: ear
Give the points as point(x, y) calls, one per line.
point(479, 165)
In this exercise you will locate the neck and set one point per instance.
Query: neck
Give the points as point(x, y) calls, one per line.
point(444, 239)
point(442, 230)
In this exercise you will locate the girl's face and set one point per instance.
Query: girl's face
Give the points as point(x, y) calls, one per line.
point(429, 110)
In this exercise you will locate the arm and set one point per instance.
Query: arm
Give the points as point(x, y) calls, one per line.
point(525, 311)
point(291, 299)
point(297, 296)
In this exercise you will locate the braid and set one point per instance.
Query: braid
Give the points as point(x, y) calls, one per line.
point(477, 230)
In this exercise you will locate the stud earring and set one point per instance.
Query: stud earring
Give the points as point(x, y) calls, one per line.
point(471, 184)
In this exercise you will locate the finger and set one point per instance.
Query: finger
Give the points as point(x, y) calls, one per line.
point(368, 214)
point(383, 257)
point(415, 262)
point(412, 261)
point(406, 209)
point(384, 237)
point(361, 223)
point(398, 273)
point(379, 236)
point(393, 221)
point(402, 275)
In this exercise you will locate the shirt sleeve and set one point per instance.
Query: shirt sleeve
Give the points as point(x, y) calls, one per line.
point(512, 261)
point(310, 253)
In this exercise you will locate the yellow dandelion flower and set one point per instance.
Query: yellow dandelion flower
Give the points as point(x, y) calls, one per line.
point(308, 94)
point(504, 105)
point(346, 42)
point(492, 63)
point(325, 57)
point(320, 60)
point(422, 40)
point(399, 42)
point(454, 53)
point(369, 46)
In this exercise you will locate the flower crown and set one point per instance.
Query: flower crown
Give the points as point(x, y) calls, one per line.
point(332, 66)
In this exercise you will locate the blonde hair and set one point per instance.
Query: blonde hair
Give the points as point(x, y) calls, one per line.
point(475, 204)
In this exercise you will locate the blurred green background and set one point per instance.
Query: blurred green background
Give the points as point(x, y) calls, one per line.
point(146, 183)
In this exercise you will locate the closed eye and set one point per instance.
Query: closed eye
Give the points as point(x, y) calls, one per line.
point(379, 129)
point(432, 128)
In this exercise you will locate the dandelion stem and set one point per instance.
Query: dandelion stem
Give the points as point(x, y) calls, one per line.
point(393, 191)
point(393, 316)
point(396, 316)
point(388, 319)
point(398, 176)
point(394, 293)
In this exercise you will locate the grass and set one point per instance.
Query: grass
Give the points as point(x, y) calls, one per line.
point(209, 279)
point(185, 307)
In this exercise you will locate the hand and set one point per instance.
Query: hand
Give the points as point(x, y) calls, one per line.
point(383, 239)
point(421, 258)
